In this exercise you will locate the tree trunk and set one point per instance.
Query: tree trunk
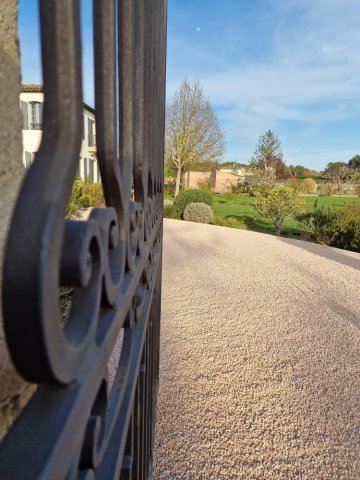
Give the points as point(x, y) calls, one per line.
point(178, 179)
point(182, 182)
point(278, 230)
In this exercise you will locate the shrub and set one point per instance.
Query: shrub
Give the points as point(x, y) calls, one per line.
point(327, 189)
point(95, 192)
point(357, 190)
point(294, 184)
point(171, 212)
point(320, 222)
point(347, 228)
point(339, 228)
point(169, 185)
point(86, 194)
point(76, 192)
point(85, 201)
point(191, 195)
point(72, 211)
point(230, 222)
point(198, 212)
point(242, 186)
point(308, 185)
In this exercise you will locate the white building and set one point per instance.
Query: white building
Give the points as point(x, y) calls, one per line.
point(31, 101)
point(240, 172)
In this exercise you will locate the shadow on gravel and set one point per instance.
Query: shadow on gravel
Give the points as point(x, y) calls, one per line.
point(325, 252)
point(345, 313)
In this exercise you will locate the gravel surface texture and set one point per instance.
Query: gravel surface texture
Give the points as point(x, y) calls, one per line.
point(260, 358)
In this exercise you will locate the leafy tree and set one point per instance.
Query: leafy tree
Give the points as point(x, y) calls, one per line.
point(302, 172)
point(233, 165)
point(334, 167)
point(268, 154)
point(354, 162)
point(279, 204)
point(204, 166)
point(193, 133)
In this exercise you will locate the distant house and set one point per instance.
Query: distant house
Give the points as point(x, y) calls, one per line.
point(240, 172)
point(220, 181)
point(31, 102)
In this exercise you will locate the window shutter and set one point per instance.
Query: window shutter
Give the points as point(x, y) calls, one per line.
point(91, 170)
point(25, 115)
point(85, 169)
point(41, 108)
point(90, 131)
point(27, 159)
point(84, 127)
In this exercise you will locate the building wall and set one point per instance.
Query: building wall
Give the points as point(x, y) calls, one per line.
point(14, 391)
point(88, 165)
point(223, 180)
point(196, 177)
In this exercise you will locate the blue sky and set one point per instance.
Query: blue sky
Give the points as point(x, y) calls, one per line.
point(289, 65)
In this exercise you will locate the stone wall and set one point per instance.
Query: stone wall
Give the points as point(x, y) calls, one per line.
point(14, 392)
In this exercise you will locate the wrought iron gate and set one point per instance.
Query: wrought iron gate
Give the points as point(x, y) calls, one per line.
point(90, 419)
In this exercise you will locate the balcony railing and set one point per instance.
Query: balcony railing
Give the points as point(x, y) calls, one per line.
point(36, 126)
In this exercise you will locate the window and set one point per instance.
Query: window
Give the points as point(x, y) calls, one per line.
point(36, 116)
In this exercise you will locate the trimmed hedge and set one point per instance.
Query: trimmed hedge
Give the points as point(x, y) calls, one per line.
point(191, 195)
point(171, 212)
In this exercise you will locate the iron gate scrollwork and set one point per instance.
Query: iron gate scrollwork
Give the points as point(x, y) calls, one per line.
point(89, 419)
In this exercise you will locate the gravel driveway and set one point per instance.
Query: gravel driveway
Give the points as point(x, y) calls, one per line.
point(260, 358)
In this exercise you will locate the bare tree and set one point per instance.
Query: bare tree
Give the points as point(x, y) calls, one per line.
point(193, 133)
point(340, 174)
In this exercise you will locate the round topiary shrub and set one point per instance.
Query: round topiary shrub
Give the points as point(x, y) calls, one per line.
point(191, 195)
point(171, 212)
point(198, 212)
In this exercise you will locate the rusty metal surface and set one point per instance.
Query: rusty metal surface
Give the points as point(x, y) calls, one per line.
point(80, 424)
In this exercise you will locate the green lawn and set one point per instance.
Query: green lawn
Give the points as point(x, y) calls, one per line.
point(241, 209)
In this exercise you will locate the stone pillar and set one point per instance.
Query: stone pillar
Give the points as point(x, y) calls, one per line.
point(14, 392)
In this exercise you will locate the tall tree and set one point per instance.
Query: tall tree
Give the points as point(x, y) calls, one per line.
point(268, 154)
point(354, 162)
point(193, 133)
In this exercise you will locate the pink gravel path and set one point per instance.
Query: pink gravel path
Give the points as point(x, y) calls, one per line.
point(260, 358)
